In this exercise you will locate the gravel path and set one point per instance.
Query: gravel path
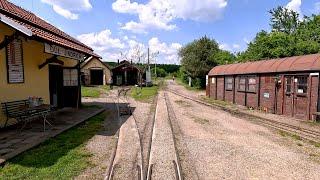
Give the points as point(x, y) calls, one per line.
point(128, 158)
point(162, 151)
point(224, 147)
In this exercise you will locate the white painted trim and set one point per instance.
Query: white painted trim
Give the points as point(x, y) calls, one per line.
point(15, 25)
point(314, 74)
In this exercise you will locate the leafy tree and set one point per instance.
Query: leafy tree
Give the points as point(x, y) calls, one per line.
point(284, 20)
point(289, 37)
point(223, 57)
point(195, 58)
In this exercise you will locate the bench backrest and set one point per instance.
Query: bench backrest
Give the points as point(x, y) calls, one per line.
point(14, 108)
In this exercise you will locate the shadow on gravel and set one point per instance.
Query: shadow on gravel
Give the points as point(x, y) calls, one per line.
point(65, 151)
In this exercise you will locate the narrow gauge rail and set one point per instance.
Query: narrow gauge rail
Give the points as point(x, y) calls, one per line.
point(172, 117)
point(175, 163)
point(302, 132)
point(111, 172)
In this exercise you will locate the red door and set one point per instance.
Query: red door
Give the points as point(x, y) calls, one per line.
point(301, 90)
point(288, 96)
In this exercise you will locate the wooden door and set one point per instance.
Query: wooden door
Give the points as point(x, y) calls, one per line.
point(288, 97)
point(301, 90)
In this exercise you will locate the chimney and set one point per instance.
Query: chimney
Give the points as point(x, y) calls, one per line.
point(118, 61)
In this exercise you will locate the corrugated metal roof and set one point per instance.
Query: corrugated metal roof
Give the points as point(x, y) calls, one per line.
point(290, 64)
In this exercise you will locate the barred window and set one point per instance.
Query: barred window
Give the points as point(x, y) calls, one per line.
point(288, 85)
point(302, 84)
point(252, 84)
point(70, 77)
point(242, 83)
point(229, 83)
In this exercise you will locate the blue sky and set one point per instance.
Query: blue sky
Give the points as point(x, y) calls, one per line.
point(124, 29)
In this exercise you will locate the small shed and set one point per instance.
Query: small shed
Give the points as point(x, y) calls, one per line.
point(126, 74)
point(286, 86)
point(95, 72)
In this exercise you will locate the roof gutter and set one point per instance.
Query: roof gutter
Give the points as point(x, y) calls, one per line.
point(15, 25)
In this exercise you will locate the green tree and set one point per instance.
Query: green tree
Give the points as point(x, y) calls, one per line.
point(195, 58)
point(284, 20)
point(223, 57)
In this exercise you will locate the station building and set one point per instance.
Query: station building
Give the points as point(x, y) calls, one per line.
point(286, 86)
point(38, 60)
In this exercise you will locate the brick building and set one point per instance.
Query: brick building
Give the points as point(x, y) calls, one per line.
point(287, 86)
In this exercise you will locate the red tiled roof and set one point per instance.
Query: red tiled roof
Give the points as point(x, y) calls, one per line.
point(41, 28)
point(289, 64)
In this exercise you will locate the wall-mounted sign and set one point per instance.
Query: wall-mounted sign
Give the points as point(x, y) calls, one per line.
point(61, 51)
point(15, 62)
point(266, 95)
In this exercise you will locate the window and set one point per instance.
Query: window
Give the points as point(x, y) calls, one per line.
point(288, 85)
point(15, 69)
point(70, 77)
point(252, 84)
point(213, 80)
point(229, 83)
point(302, 84)
point(242, 83)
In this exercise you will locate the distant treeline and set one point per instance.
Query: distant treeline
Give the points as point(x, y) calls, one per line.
point(168, 68)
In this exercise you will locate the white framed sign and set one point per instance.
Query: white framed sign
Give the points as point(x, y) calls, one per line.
point(15, 68)
point(61, 51)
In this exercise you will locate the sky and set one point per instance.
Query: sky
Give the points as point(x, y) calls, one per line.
point(124, 29)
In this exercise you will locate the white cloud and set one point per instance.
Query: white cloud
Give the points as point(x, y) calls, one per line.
point(168, 53)
point(230, 47)
point(102, 41)
point(66, 8)
point(295, 5)
point(160, 14)
point(113, 48)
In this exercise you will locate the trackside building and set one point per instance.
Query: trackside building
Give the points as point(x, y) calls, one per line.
point(286, 86)
point(37, 60)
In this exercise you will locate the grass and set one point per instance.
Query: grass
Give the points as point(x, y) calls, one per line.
point(179, 81)
point(217, 102)
point(200, 120)
point(62, 157)
point(146, 94)
point(183, 103)
point(293, 136)
point(92, 92)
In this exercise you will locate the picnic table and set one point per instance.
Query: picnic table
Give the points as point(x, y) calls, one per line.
point(42, 110)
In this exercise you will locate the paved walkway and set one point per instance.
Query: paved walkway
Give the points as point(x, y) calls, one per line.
point(14, 142)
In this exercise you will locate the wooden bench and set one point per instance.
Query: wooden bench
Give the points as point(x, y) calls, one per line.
point(21, 112)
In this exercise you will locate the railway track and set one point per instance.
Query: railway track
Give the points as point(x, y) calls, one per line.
point(172, 117)
point(111, 171)
point(307, 134)
point(176, 165)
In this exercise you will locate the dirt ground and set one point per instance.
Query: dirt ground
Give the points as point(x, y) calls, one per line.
point(220, 146)
point(130, 131)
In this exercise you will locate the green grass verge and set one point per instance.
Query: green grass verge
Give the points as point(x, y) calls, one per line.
point(93, 92)
point(180, 82)
point(62, 157)
point(146, 94)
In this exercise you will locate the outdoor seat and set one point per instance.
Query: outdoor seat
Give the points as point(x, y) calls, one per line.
point(19, 111)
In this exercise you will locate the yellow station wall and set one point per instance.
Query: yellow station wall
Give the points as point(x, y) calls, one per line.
point(36, 81)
